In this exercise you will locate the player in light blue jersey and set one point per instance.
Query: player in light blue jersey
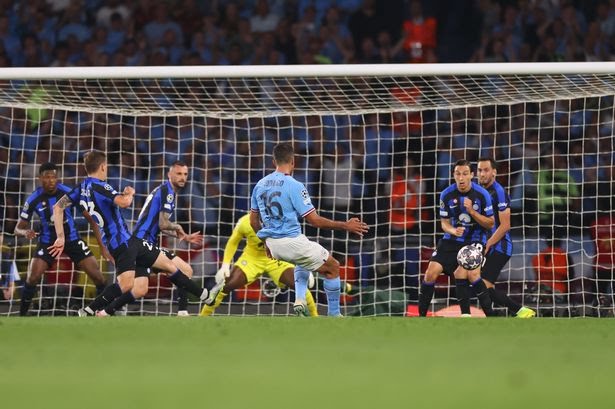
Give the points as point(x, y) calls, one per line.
point(278, 203)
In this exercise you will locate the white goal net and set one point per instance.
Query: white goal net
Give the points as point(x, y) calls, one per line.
point(375, 141)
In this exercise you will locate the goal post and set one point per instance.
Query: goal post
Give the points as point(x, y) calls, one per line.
point(373, 141)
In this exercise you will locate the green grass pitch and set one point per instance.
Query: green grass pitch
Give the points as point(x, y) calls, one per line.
point(274, 362)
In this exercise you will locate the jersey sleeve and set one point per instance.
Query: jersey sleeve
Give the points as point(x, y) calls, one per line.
point(75, 197)
point(168, 203)
point(301, 199)
point(443, 211)
point(253, 200)
point(106, 190)
point(503, 200)
point(488, 207)
point(27, 210)
point(233, 242)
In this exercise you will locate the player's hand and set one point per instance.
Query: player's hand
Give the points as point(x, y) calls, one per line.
point(57, 247)
point(193, 238)
point(30, 234)
point(467, 203)
point(223, 273)
point(459, 231)
point(356, 226)
point(129, 191)
point(107, 255)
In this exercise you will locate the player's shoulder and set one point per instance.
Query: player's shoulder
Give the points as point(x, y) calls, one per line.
point(166, 188)
point(64, 188)
point(245, 219)
point(480, 189)
point(38, 192)
point(449, 190)
point(243, 224)
point(291, 182)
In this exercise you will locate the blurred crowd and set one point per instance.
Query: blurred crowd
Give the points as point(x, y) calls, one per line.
point(191, 32)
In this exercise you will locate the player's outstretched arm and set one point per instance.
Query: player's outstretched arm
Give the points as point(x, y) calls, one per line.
point(103, 249)
point(447, 227)
point(58, 222)
point(124, 199)
point(353, 225)
point(23, 229)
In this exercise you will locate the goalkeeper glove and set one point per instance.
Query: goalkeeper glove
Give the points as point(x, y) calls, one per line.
point(223, 273)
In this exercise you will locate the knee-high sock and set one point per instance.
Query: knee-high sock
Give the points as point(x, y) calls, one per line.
point(301, 282)
point(108, 295)
point(503, 300)
point(100, 288)
point(183, 281)
point(311, 304)
point(182, 299)
point(119, 302)
point(332, 289)
point(463, 295)
point(207, 310)
point(483, 297)
point(425, 297)
point(27, 293)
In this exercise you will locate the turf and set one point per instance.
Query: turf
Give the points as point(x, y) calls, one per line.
point(260, 362)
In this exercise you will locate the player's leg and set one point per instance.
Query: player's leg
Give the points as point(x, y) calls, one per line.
point(139, 289)
point(288, 279)
point(182, 294)
point(82, 257)
point(35, 271)
point(90, 266)
point(125, 263)
point(434, 270)
point(490, 272)
point(177, 277)
point(462, 290)
point(482, 293)
point(332, 284)
point(237, 279)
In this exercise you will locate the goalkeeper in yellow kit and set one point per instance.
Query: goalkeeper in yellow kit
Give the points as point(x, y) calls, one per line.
point(252, 263)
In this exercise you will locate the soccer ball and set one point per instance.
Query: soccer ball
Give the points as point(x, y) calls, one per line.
point(470, 257)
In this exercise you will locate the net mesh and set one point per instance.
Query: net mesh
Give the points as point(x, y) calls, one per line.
point(380, 148)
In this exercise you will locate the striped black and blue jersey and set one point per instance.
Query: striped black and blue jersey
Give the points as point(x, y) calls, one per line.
point(501, 202)
point(161, 199)
point(96, 196)
point(42, 204)
point(451, 207)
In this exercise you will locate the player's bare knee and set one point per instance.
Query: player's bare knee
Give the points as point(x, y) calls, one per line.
point(461, 273)
point(140, 287)
point(332, 268)
point(183, 266)
point(473, 275)
point(126, 281)
point(432, 273)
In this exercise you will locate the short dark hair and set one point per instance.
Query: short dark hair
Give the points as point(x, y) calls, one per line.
point(283, 153)
point(178, 163)
point(463, 162)
point(492, 161)
point(46, 167)
point(92, 161)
